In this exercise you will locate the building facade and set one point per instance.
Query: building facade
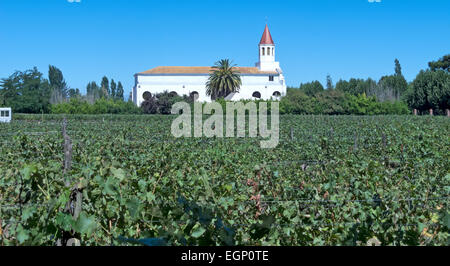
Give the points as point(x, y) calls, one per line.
point(264, 81)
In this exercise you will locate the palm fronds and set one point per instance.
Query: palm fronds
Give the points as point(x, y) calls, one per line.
point(223, 80)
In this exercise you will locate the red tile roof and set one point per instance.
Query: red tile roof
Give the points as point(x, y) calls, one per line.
point(200, 70)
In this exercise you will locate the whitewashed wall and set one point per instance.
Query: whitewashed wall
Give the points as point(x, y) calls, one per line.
point(267, 59)
point(185, 84)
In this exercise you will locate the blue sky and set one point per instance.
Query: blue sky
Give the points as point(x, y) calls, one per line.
point(117, 38)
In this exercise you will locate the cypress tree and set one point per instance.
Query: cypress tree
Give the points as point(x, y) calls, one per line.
point(119, 93)
point(105, 87)
point(113, 89)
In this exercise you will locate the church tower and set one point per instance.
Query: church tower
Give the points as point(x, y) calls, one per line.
point(267, 53)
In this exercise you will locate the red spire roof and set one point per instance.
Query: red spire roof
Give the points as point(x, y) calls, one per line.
point(266, 38)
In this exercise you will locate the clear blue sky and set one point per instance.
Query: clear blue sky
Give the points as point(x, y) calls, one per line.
point(117, 38)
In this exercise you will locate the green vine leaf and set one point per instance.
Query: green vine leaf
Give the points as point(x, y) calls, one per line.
point(85, 224)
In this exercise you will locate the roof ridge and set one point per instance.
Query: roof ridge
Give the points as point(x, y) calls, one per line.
point(200, 70)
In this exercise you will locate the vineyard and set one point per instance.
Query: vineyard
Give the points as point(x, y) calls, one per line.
point(124, 180)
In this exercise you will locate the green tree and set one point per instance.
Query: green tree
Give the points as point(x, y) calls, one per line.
point(429, 90)
point(113, 89)
point(391, 87)
point(105, 87)
point(297, 102)
point(58, 85)
point(439, 90)
point(26, 92)
point(331, 102)
point(398, 68)
point(223, 80)
point(119, 93)
point(74, 93)
point(358, 86)
point(93, 92)
point(329, 82)
point(311, 88)
point(364, 105)
point(353, 86)
point(443, 64)
point(388, 88)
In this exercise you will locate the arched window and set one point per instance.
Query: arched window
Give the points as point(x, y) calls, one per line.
point(146, 95)
point(256, 94)
point(194, 96)
point(268, 51)
point(272, 52)
point(263, 49)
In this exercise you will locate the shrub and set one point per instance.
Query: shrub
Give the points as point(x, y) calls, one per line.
point(101, 106)
point(336, 102)
point(160, 103)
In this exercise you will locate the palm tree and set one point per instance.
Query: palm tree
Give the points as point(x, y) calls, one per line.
point(223, 80)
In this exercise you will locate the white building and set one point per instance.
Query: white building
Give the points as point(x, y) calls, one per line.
point(5, 115)
point(264, 81)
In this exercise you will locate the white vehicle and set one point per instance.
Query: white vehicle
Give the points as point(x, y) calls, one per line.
point(5, 115)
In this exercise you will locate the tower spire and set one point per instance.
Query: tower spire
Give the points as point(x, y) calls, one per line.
point(266, 38)
point(267, 52)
